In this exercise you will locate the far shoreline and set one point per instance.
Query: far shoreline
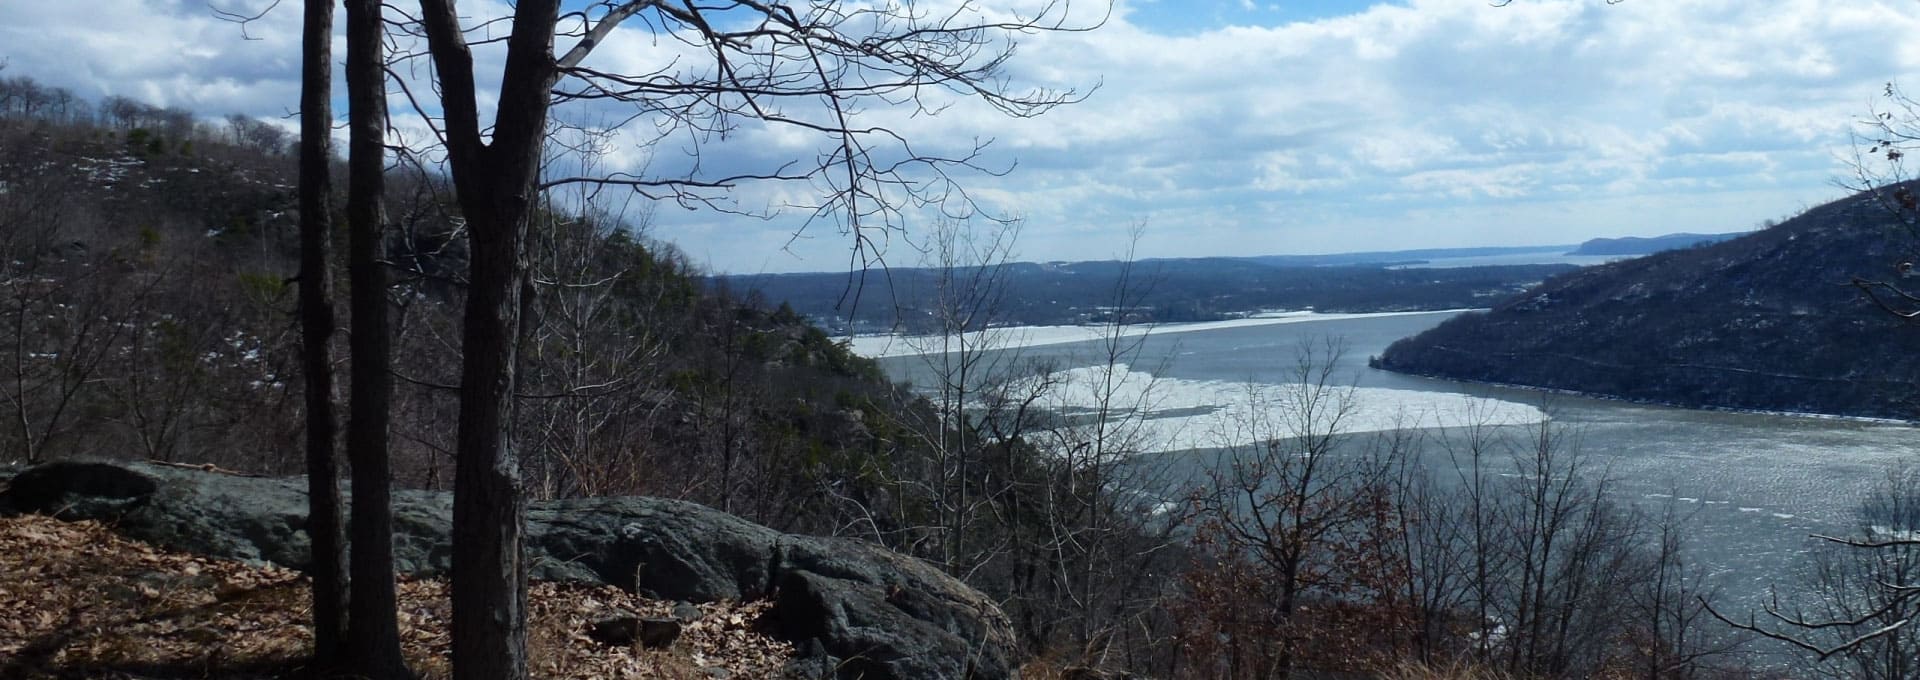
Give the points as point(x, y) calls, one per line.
point(890, 345)
point(1641, 401)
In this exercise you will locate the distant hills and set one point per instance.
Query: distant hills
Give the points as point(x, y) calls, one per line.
point(1636, 245)
point(1197, 289)
point(1768, 320)
point(1404, 257)
point(1624, 246)
point(1162, 291)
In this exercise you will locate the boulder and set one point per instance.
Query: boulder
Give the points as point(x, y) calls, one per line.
point(625, 630)
point(866, 611)
point(886, 615)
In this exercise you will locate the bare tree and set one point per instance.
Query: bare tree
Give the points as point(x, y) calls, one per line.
point(838, 58)
point(65, 298)
point(1111, 503)
point(255, 134)
point(965, 356)
point(1288, 513)
point(1854, 612)
point(325, 528)
point(36, 396)
point(1676, 636)
point(1882, 144)
point(595, 344)
point(373, 632)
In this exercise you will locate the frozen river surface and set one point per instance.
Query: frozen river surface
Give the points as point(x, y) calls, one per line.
point(1757, 484)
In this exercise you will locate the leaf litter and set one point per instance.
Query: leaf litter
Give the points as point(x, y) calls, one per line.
point(78, 601)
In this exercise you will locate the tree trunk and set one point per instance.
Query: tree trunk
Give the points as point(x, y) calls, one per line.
point(496, 186)
point(489, 579)
point(327, 566)
point(373, 632)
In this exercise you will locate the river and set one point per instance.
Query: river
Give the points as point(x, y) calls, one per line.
point(1755, 484)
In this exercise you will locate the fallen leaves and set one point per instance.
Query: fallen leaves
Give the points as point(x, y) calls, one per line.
point(76, 600)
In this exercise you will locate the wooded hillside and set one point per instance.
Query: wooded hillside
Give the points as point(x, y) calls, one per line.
point(1771, 320)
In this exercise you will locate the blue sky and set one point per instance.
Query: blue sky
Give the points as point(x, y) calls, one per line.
point(1237, 128)
point(1174, 17)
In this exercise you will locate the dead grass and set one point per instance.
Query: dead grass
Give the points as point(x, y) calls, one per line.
point(78, 601)
point(1412, 670)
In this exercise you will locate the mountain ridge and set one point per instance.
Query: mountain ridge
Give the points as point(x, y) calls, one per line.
point(1647, 245)
point(1771, 321)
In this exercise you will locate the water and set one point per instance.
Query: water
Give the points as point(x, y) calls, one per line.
point(1549, 257)
point(1756, 484)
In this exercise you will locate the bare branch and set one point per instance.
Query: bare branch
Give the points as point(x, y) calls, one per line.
point(242, 18)
point(600, 30)
point(1824, 653)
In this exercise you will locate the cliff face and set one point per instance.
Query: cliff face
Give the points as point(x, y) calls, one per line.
point(1767, 321)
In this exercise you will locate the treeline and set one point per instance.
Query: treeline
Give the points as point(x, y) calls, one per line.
point(1496, 551)
point(24, 99)
point(148, 279)
point(1183, 290)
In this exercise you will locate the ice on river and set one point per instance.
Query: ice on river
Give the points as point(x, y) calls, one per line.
point(882, 346)
point(1177, 414)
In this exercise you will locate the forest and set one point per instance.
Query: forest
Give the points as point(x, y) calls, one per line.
point(1775, 320)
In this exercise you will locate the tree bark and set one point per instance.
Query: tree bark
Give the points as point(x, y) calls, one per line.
point(489, 578)
point(373, 632)
point(327, 566)
point(495, 183)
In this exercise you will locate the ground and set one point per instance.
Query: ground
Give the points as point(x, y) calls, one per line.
point(78, 601)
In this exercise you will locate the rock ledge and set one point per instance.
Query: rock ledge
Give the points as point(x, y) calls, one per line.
point(863, 611)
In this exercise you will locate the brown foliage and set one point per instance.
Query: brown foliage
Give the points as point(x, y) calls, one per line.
point(1346, 615)
point(77, 601)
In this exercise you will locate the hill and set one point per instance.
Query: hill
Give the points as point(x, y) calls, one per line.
point(1638, 245)
point(147, 263)
point(1173, 290)
point(1176, 290)
point(1400, 257)
point(153, 311)
point(1769, 320)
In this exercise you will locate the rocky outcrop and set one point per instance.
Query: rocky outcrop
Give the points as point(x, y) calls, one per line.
point(855, 609)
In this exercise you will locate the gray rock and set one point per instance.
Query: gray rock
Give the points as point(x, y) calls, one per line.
point(627, 629)
point(254, 519)
point(615, 631)
point(886, 615)
point(860, 610)
point(670, 550)
point(659, 633)
point(811, 662)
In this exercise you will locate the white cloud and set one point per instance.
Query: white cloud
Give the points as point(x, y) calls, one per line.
point(1412, 124)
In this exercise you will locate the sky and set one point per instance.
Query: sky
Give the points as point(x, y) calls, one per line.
point(1238, 127)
